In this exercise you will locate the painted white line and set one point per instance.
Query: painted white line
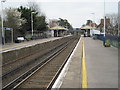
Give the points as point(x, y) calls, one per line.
point(63, 73)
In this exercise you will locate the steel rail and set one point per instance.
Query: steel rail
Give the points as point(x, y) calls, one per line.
point(27, 74)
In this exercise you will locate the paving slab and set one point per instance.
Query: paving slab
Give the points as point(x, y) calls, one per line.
point(72, 78)
point(102, 64)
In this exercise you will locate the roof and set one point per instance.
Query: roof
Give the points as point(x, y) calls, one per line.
point(58, 28)
point(86, 27)
point(107, 23)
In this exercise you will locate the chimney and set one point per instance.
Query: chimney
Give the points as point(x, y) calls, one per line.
point(102, 21)
point(108, 20)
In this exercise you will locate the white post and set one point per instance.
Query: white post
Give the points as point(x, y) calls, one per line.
point(3, 35)
point(93, 19)
point(32, 22)
point(118, 26)
point(12, 36)
point(90, 25)
point(118, 18)
point(104, 18)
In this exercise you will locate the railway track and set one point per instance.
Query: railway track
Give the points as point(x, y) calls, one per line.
point(9, 65)
point(16, 72)
point(44, 73)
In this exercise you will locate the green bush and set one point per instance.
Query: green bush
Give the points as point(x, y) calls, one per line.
point(94, 37)
point(107, 43)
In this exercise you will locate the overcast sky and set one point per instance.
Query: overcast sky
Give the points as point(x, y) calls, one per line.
point(75, 11)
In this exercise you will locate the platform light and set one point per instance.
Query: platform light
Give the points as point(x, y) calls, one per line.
point(3, 36)
point(32, 22)
point(104, 18)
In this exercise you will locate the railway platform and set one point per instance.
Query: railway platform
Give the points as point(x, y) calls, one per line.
point(14, 46)
point(101, 67)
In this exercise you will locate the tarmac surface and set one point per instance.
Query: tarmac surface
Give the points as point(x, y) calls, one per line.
point(101, 65)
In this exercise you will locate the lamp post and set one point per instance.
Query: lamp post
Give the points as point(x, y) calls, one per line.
point(104, 40)
point(93, 19)
point(104, 19)
point(118, 18)
point(3, 36)
point(118, 25)
point(32, 22)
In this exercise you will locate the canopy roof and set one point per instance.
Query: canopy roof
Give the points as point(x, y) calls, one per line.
point(86, 27)
point(58, 28)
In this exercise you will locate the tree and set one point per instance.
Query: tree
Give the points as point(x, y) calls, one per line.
point(13, 20)
point(113, 18)
point(53, 23)
point(34, 6)
point(89, 22)
point(39, 21)
point(40, 24)
point(64, 23)
point(26, 15)
point(114, 22)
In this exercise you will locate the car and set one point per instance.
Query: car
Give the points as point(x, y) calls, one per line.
point(19, 39)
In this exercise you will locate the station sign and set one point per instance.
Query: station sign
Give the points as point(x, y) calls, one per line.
point(8, 28)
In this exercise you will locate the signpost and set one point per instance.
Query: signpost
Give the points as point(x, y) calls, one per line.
point(9, 29)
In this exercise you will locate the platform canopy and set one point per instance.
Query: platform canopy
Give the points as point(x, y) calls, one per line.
point(58, 28)
point(86, 27)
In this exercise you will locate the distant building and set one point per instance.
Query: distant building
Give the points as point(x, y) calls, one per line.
point(91, 24)
point(86, 29)
point(94, 25)
point(108, 26)
point(76, 28)
point(56, 31)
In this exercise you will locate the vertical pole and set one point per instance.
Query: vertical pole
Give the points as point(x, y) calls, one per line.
point(118, 26)
point(57, 33)
point(94, 19)
point(11, 35)
point(104, 18)
point(32, 23)
point(90, 25)
point(118, 17)
point(3, 35)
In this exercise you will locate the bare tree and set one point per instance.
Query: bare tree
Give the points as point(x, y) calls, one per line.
point(114, 22)
point(53, 23)
point(35, 7)
point(13, 18)
point(113, 18)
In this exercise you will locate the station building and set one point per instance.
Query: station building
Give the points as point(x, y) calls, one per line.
point(57, 31)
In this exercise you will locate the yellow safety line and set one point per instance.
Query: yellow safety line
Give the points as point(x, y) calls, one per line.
point(84, 70)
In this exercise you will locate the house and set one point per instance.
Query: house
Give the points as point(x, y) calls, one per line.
point(108, 26)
